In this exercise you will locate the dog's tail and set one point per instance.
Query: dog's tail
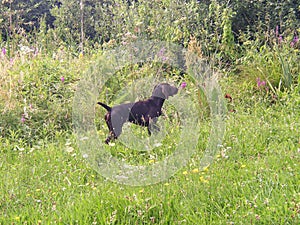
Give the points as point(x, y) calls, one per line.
point(104, 106)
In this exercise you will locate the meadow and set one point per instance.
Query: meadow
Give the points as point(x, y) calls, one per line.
point(253, 179)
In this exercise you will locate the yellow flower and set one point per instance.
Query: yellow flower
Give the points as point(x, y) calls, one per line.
point(141, 191)
point(151, 161)
point(205, 169)
point(167, 184)
point(184, 172)
point(17, 218)
point(203, 180)
point(243, 166)
point(195, 170)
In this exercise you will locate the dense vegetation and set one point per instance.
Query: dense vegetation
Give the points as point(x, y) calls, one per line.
point(47, 46)
point(51, 24)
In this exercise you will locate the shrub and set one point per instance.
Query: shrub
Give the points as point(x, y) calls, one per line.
point(42, 90)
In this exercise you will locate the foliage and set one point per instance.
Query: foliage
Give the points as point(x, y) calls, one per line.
point(265, 15)
point(39, 103)
point(216, 25)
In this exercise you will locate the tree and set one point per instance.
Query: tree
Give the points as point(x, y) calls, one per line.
point(19, 16)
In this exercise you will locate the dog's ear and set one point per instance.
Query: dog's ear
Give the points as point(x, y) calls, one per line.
point(157, 92)
point(164, 90)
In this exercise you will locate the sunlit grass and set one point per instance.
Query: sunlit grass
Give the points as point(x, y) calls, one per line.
point(256, 179)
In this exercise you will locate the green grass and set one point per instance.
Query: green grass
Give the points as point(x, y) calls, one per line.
point(255, 179)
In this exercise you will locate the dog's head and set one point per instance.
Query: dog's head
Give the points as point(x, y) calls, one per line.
point(164, 90)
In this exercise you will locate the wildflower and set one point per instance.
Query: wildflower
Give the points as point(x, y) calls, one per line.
point(167, 184)
point(243, 166)
point(3, 51)
point(62, 79)
point(183, 85)
point(260, 83)
point(151, 161)
point(161, 54)
point(203, 180)
point(280, 39)
point(277, 31)
point(69, 149)
point(195, 170)
point(23, 119)
point(294, 41)
point(184, 172)
point(205, 169)
point(25, 49)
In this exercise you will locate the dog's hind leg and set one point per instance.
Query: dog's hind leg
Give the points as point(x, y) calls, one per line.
point(114, 123)
point(110, 127)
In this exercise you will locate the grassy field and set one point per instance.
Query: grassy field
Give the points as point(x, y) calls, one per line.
point(254, 179)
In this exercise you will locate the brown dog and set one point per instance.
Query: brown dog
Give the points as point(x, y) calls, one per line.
point(143, 113)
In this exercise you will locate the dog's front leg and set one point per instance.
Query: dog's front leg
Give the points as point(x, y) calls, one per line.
point(152, 126)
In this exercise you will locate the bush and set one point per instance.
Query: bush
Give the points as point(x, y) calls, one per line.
point(42, 90)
